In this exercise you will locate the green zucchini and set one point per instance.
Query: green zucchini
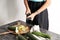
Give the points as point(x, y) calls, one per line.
point(25, 36)
point(31, 36)
point(12, 28)
point(41, 34)
point(20, 37)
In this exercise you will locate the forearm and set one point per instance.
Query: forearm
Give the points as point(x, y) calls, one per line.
point(26, 4)
point(46, 4)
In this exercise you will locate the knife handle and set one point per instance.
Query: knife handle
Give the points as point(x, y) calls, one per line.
point(28, 14)
point(4, 33)
point(29, 17)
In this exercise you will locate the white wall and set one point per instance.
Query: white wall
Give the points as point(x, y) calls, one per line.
point(3, 12)
point(54, 16)
point(12, 10)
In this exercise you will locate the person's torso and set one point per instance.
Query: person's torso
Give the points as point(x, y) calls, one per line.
point(37, 0)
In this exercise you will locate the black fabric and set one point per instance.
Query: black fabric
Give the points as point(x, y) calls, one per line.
point(40, 19)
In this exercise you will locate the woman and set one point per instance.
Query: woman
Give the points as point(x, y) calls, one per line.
point(38, 11)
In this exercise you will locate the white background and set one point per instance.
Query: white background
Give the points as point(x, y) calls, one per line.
point(12, 10)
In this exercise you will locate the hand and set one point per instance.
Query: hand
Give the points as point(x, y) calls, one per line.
point(28, 11)
point(31, 16)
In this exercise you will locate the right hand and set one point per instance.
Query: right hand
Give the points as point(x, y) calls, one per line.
point(28, 11)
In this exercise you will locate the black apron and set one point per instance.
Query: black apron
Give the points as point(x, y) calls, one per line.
point(42, 18)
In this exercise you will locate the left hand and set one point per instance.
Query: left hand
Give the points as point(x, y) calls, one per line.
point(32, 16)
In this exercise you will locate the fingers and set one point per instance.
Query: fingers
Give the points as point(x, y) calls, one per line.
point(28, 12)
point(28, 15)
point(30, 18)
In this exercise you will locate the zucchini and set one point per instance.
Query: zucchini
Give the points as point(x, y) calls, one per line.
point(25, 36)
point(20, 37)
point(31, 36)
point(41, 34)
point(12, 28)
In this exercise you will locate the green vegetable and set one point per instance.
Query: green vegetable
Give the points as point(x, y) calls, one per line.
point(31, 36)
point(41, 34)
point(20, 37)
point(12, 28)
point(25, 36)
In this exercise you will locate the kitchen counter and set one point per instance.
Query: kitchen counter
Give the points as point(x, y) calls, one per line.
point(3, 28)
